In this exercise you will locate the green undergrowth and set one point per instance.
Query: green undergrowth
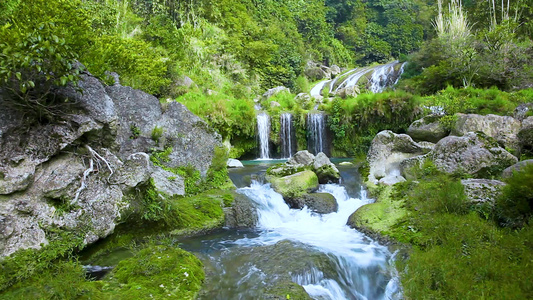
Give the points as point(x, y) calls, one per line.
point(459, 250)
point(24, 263)
point(154, 271)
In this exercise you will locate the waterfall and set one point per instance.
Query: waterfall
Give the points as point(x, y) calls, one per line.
point(362, 266)
point(316, 129)
point(286, 135)
point(380, 77)
point(263, 129)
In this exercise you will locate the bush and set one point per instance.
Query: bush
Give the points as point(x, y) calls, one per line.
point(514, 207)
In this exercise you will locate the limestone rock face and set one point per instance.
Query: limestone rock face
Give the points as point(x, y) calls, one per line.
point(388, 150)
point(516, 168)
point(503, 129)
point(427, 129)
point(482, 190)
point(473, 153)
point(81, 173)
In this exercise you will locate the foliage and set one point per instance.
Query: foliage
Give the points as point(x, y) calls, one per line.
point(39, 44)
point(355, 121)
point(514, 207)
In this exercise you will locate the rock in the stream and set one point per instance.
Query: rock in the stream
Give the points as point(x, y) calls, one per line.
point(322, 203)
point(326, 171)
point(302, 158)
point(296, 185)
point(234, 163)
point(242, 214)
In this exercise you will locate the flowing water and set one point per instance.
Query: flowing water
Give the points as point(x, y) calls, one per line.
point(316, 130)
point(287, 135)
point(263, 129)
point(319, 252)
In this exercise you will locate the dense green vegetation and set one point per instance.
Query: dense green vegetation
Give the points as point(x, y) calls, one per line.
point(459, 249)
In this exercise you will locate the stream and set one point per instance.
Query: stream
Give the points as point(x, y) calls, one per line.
point(319, 252)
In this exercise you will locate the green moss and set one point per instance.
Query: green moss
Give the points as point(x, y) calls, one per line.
point(287, 290)
point(295, 185)
point(158, 272)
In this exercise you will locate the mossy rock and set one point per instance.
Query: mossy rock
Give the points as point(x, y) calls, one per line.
point(378, 219)
point(296, 185)
point(158, 272)
point(328, 174)
point(286, 290)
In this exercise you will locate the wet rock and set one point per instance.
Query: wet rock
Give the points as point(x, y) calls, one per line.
point(351, 91)
point(326, 171)
point(335, 70)
point(296, 185)
point(480, 191)
point(322, 203)
point(242, 214)
point(427, 129)
point(473, 153)
point(503, 129)
point(508, 172)
point(234, 163)
point(388, 150)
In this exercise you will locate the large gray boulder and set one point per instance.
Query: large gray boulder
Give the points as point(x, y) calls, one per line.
point(503, 129)
point(479, 191)
point(473, 153)
point(302, 158)
point(427, 129)
point(508, 172)
point(388, 150)
point(167, 183)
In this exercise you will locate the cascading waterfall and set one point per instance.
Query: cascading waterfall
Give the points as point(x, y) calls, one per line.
point(286, 135)
point(363, 267)
point(383, 76)
point(263, 129)
point(316, 130)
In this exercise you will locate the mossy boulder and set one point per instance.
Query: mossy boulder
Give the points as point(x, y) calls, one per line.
point(325, 170)
point(158, 272)
point(377, 219)
point(296, 185)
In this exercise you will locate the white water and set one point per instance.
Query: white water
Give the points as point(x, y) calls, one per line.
point(363, 268)
point(286, 135)
point(381, 77)
point(263, 129)
point(316, 128)
point(353, 79)
point(317, 89)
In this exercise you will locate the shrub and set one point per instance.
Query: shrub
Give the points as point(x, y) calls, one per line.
point(514, 207)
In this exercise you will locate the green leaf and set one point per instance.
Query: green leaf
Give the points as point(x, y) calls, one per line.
point(18, 75)
point(31, 84)
point(63, 80)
